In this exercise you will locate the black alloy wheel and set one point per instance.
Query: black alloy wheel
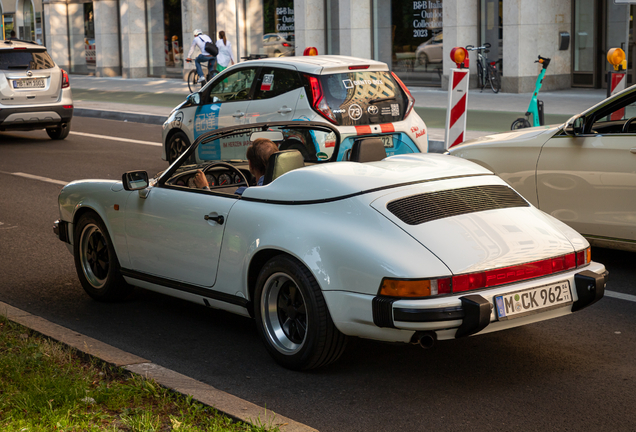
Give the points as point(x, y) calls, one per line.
point(177, 144)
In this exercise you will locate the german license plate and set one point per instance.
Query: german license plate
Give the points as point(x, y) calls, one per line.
point(387, 140)
point(526, 302)
point(29, 83)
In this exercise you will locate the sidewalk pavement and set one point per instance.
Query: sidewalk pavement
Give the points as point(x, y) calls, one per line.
point(150, 100)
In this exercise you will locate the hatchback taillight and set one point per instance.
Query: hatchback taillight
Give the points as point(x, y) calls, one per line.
point(318, 101)
point(406, 91)
point(65, 81)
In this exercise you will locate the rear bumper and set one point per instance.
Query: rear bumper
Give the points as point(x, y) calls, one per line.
point(455, 316)
point(34, 117)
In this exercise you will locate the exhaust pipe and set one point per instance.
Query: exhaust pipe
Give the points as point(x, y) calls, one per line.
point(425, 339)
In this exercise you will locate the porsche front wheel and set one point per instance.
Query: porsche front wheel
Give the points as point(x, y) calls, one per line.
point(95, 261)
point(292, 317)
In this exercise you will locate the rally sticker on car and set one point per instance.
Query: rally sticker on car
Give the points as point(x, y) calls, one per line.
point(268, 82)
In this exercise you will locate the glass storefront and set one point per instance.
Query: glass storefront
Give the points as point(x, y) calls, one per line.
point(27, 29)
point(416, 39)
point(165, 38)
point(89, 37)
point(491, 30)
point(278, 29)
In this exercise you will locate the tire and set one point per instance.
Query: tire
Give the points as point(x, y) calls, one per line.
point(292, 317)
point(520, 123)
point(96, 262)
point(193, 81)
point(177, 144)
point(494, 78)
point(60, 132)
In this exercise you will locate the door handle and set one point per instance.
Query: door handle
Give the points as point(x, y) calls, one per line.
point(284, 110)
point(238, 114)
point(218, 219)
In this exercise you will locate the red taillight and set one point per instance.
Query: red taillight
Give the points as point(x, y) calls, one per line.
point(411, 103)
point(318, 100)
point(65, 81)
point(67, 106)
point(506, 275)
point(358, 67)
point(285, 44)
point(493, 64)
point(19, 47)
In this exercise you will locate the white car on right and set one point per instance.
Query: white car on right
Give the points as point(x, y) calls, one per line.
point(582, 172)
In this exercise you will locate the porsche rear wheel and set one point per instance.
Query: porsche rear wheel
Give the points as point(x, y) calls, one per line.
point(292, 316)
point(95, 261)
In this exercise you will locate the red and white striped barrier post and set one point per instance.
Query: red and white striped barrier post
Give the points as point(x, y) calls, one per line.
point(617, 78)
point(457, 99)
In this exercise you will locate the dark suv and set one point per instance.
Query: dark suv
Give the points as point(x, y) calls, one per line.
point(34, 92)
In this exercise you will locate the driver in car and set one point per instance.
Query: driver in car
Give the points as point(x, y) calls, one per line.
point(257, 154)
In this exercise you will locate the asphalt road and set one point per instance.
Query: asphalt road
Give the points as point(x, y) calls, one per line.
point(575, 373)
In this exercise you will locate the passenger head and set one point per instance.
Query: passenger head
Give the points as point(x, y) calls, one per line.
point(258, 154)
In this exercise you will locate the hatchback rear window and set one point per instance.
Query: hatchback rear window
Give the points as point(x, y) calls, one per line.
point(25, 59)
point(364, 97)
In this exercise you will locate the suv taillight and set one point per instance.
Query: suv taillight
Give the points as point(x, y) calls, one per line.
point(406, 91)
point(318, 101)
point(65, 82)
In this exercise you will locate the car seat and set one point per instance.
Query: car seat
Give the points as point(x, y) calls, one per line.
point(281, 162)
point(367, 150)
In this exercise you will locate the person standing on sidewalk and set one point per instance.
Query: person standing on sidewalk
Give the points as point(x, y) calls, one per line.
point(224, 58)
point(200, 39)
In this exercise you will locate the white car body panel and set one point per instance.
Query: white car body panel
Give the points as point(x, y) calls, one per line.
point(333, 219)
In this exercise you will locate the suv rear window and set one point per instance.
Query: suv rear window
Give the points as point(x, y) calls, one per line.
point(25, 59)
point(365, 97)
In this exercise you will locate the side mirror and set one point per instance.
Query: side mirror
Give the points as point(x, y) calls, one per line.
point(135, 180)
point(574, 126)
point(194, 98)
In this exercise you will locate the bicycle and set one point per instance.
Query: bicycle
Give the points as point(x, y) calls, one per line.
point(487, 72)
point(193, 77)
point(536, 106)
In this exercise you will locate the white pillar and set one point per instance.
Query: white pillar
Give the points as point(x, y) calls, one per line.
point(55, 21)
point(134, 55)
point(310, 26)
point(355, 28)
point(76, 33)
point(106, 38)
point(461, 28)
point(194, 15)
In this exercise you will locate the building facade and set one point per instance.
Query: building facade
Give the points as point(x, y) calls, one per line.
point(140, 38)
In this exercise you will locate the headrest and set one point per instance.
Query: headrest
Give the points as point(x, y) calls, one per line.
point(281, 162)
point(367, 150)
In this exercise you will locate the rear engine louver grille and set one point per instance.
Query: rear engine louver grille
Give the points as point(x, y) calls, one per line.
point(417, 209)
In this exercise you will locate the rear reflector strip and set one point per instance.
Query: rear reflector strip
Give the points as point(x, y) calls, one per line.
point(387, 127)
point(363, 130)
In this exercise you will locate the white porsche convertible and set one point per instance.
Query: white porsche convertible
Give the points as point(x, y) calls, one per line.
point(411, 248)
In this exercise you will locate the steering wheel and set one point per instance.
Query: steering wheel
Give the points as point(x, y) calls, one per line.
point(627, 124)
point(231, 167)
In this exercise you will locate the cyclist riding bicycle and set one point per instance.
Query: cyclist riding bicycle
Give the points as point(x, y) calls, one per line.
point(200, 39)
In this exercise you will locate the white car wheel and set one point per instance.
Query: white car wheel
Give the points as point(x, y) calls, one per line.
point(292, 317)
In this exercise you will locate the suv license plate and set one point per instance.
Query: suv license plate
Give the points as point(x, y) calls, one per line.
point(533, 300)
point(387, 140)
point(28, 83)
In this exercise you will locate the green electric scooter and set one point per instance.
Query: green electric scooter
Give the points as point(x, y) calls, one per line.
point(536, 106)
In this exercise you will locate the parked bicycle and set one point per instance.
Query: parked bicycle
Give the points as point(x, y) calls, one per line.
point(193, 77)
point(487, 72)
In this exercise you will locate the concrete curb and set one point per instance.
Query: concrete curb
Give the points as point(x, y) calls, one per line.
point(120, 116)
point(223, 402)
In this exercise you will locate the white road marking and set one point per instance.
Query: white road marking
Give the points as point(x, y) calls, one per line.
point(614, 294)
point(34, 177)
point(156, 144)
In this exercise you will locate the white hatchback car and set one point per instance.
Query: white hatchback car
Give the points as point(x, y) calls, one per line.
point(360, 97)
point(35, 92)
